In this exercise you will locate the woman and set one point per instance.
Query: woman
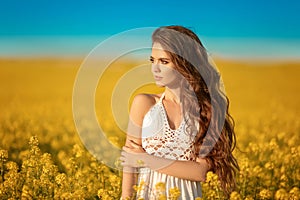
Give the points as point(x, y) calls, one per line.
point(176, 137)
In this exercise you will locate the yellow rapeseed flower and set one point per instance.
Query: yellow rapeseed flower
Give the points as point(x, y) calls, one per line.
point(257, 170)
point(3, 155)
point(211, 177)
point(294, 193)
point(269, 165)
point(12, 166)
point(265, 194)
point(235, 196)
point(140, 187)
point(174, 193)
point(77, 151)
point(273, 144)
point(60, 179)
point(294, 152)
point(249, 198)
point(160, 187)
point(162, 197)
point(281, 194)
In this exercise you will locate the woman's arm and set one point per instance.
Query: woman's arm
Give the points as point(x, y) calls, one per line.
point(191, 170)
point(140, 105)
point(134, 155)
point(128, 181)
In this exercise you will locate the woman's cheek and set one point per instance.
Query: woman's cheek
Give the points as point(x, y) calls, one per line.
point(171, 77)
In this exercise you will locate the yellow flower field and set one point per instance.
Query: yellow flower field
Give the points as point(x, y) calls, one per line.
point(42, 157)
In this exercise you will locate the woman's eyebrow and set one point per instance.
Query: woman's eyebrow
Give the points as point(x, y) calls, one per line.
point(164, 59)
point(151, 57)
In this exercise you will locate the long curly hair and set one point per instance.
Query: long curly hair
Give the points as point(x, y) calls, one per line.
point(205, 101)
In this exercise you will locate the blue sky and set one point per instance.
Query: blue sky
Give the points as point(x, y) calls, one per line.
point(276, 20)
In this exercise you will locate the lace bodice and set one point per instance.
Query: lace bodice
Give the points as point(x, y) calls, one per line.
point(160, 140)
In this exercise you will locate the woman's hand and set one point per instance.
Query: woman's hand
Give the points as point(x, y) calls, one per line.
point(133, 155)
point(133, 147)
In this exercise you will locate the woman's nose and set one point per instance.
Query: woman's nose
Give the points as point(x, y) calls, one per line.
point(155, 68)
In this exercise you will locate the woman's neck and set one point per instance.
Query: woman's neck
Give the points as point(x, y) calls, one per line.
point(173, 95)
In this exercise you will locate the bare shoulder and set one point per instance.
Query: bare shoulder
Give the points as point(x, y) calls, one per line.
point(140, 106)
point(143, 102)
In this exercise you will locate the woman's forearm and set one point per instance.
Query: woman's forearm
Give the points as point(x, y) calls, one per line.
point(191, 170)
point(128, 181)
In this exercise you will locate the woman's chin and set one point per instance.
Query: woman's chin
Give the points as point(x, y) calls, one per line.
point(159, 84)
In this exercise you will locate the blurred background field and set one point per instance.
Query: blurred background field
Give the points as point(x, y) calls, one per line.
point(36, 100)
point(255, 45)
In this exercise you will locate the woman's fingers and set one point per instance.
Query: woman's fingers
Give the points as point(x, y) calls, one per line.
point(132, 142)
point(136, 147)
point(133, 149)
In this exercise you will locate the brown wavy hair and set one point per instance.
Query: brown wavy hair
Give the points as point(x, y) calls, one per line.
point(204, 100)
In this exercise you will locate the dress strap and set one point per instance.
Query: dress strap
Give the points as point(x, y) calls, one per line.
point(161, 97)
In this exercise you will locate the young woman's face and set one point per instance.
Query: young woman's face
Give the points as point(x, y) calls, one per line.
point(163, 68)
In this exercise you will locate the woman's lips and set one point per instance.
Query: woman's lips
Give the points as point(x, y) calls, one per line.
point(157, 78)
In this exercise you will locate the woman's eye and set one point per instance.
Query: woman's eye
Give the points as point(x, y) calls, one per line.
point(164, 62)
point(151, 60)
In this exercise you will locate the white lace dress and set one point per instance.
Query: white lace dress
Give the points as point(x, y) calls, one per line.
point(160, 140)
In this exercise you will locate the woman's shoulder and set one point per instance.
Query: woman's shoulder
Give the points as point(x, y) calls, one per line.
point(147, 98)
point(144, 102)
